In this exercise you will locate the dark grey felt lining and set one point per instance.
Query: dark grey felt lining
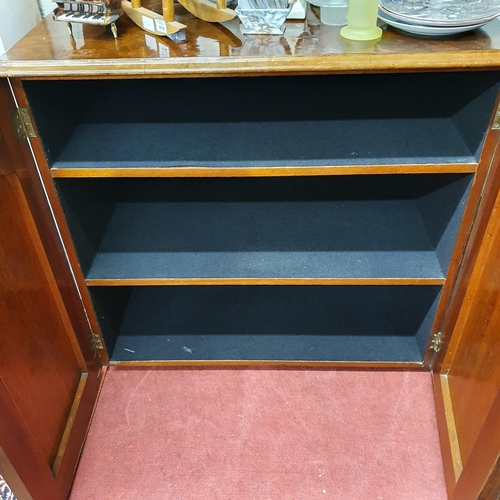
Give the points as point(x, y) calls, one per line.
point(297, 143)
point(352, 239)
point(273, 322)
point(332, 120)
point(384, 226)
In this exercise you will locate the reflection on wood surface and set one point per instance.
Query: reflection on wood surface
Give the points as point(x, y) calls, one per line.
point(212, 49)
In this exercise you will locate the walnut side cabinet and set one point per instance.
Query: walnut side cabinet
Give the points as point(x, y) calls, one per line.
point(331, 206)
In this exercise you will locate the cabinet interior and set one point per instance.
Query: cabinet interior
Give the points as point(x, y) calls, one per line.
point(264, 121)
point(382, 243)
point(290, 323)
point(345, 227)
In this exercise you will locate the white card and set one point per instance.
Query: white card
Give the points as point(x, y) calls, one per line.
point(148, 23)
point(161, 26)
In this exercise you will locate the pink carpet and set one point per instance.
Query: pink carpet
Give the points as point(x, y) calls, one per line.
point(250, 434)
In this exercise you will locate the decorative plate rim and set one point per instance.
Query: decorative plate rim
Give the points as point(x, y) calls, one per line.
point(433, 30)
point(425, 21)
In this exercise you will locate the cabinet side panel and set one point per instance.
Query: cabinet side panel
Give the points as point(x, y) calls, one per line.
point(472, 120)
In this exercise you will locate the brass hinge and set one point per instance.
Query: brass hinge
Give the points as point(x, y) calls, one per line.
point(436, 342)
point(23, 124)
point(496, 120)
point(96, 342)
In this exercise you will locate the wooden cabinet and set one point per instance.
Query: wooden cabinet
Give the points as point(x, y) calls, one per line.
point(324, 218)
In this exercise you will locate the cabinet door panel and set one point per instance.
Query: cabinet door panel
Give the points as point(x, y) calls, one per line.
point(472, 366)
point(474, 376)
point(39, 365)
point(49, 376)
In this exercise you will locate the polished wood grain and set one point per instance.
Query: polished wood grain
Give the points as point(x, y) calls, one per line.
point(22, 463)
point(474, 373)
point(473, 322)
point(262, 281)
point(450, 428)
point(264, 171)
point(11, 476)
point(448, 439)
point(70, 421)
point(484, 192)
point(491, 490)
point(489, 191)
point(44, 336)
point(306, 47)
point(39, 364)
point(167, 8)
point(481, 477)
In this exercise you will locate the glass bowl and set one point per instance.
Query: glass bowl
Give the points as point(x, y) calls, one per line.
point(263, 17)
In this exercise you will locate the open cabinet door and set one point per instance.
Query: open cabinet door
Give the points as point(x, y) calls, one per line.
point(49, 374)
point(469, 377)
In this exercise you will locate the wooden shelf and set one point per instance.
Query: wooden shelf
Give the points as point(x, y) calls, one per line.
point(393, 229)
point(267, 323)
point(259, 348)
point(265, 240)
point(264, 145)
point(261, 281)
point(269, 171)
point(358, 127)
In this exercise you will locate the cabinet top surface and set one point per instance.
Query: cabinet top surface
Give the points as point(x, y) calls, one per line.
point(49, 51)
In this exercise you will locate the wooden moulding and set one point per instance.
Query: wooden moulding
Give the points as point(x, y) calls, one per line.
point(450, 449)
point(264, 281)
point(69, 425)
point(263, 171)
point(337, 365)
point(245, 66)
point(133, 59)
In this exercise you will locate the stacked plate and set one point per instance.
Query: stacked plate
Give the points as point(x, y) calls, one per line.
point(438, 17)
